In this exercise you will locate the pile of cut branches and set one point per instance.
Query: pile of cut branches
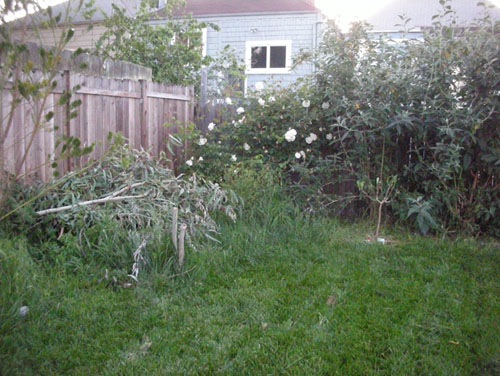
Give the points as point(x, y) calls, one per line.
point(139, 192)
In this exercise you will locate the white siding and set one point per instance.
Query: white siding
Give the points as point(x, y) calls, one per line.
point(83, 37)
point(235, 31)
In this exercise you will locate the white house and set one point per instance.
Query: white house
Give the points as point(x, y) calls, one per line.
point(265, 34)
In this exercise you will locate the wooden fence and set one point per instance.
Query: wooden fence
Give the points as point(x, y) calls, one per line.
point(137, 109)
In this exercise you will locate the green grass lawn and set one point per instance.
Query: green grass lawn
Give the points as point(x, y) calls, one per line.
point(278, 296)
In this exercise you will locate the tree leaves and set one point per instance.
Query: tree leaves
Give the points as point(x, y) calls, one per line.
point(171, 47)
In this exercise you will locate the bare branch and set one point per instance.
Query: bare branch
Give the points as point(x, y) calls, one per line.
point(112, 198)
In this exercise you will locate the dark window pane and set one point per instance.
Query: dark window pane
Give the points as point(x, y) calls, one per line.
point(278, 57)
point(259, 57)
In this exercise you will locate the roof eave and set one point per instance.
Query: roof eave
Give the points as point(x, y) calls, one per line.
point(248, 14)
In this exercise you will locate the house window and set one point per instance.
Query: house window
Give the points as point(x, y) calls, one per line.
point(268, 57)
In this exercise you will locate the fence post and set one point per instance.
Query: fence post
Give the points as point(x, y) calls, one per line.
point(144, 114)
point(188, 108)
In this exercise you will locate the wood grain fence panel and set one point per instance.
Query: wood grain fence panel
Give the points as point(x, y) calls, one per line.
point(119, 109)
point(57, 129)
point(95, 127)
point(157, 116)
point(136, 109)
point(61, 123)
point(21, 129)
point(52, 131)
point(153, 117)
point(77, 125)
point(7, 146)
point(131, 120)
point(34, 146)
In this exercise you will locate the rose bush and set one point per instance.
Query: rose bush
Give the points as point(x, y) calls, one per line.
point(382, 122)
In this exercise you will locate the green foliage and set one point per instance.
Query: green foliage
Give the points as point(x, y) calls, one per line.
point(225, 76)
point(171, 47)
point(403, 118)
point(29, 74)
point(251, 128)
point(262, 189)
point(423, 211)
point(114, 204)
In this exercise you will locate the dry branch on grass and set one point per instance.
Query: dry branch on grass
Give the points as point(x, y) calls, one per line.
point(110, 198)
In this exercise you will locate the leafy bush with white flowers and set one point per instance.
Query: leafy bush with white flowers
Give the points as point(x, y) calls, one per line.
point(382, 125)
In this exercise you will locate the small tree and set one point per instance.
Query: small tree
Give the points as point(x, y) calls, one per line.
point(28, 76)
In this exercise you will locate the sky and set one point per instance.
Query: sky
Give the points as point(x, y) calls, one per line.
point(346, 11)
point(343, 11)
point(31, 9)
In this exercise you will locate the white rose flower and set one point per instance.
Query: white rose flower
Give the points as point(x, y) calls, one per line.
point(311, 138)
point(261, 101)
point(233, 158)
point(325, 105)
point(229, 101)
point(306, 103)
point(272, 99)
point(200, 159)
point(290, 135)
point(240, 110)
point(246, 146)
point(297, 155)
point(202, 141)
point(211, 126)
point(329, 136)
point(189, 162)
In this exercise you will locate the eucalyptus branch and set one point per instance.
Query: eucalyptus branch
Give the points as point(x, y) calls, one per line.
point(111, 198)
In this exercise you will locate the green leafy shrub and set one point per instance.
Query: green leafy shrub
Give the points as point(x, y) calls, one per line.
point(423, 212)
point(421, 113)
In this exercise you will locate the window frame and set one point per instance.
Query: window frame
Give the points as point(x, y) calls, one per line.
point(268, 44)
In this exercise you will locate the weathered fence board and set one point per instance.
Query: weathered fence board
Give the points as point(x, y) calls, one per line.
point(137, 109)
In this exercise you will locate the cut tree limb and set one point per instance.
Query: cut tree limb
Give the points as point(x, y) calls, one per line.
point(111, 198)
